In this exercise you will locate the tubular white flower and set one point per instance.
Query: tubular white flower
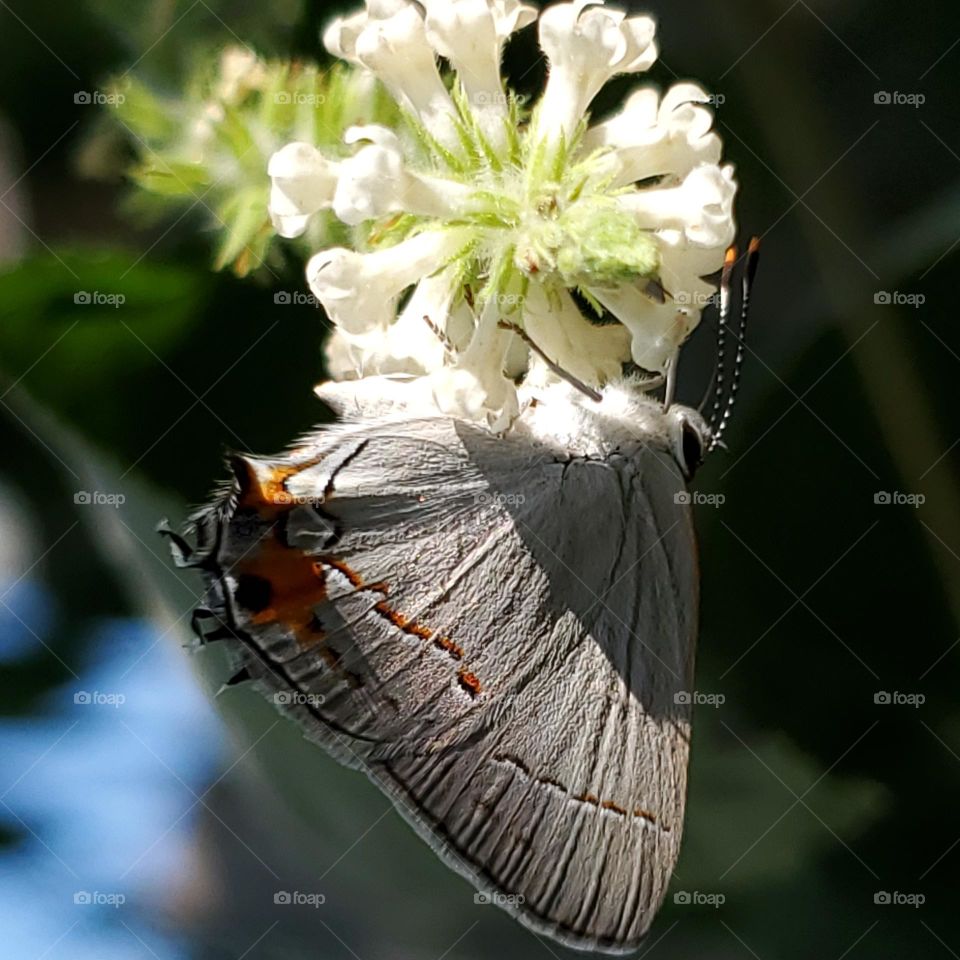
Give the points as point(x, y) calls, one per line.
point(702, 206)
point(394, 47)
point(476, 388)
point(587, 46)
point(683, 266)
point(340, 38)
point(653, 137)
point(359, 291)
point(376, 181)
point(658, 330)
point(471, 34)
point(491, 219)
point(407, 346)
point(303, 182)
point(593, 354)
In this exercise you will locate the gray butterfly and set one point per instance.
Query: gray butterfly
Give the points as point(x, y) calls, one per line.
point(498, 630)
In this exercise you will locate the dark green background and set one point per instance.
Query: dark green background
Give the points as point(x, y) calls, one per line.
point(806, 797)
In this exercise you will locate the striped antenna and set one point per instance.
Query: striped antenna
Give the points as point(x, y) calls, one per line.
point(556, 368)
point(725, 300)
point(718, 429)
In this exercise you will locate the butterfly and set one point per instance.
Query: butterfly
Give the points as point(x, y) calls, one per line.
point(498, 630)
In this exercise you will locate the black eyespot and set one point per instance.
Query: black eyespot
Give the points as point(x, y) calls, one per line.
point(691, 448)
point(253, 593)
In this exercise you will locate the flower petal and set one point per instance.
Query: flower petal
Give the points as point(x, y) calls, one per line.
point(657, 330)
point(471, 34)
point(303, 182)
point(476, 387)
point(701, 207)
point(587, 46)
point(360, 291)
point(340, 38)
point(395, 48)
point(376, 181)
point(406, 346)
point(591, 353)
point(654, 138)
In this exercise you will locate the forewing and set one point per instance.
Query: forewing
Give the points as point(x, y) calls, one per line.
point(497, 635)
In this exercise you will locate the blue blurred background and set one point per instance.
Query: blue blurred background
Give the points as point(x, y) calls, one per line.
point(145, 814)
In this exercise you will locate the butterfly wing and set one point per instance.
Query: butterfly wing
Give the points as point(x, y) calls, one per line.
point(497, 635)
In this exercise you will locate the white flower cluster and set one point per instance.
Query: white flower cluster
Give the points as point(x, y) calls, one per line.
point(478, 231)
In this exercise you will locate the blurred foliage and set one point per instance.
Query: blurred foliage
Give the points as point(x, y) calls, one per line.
point(210, 146)
point(814, 597)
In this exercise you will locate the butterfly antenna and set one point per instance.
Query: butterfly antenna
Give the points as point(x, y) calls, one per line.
point(448, 345)
point(556, 368)
point(726, 277)
point(749, 275)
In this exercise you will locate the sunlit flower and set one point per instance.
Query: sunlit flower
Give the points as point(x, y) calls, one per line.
point(360, 291)
point(529, 244)
point(303, 183)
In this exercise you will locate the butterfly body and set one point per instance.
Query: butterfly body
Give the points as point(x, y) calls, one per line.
point(499, 630)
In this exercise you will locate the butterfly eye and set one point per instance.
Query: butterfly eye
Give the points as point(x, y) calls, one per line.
point(691, 447)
